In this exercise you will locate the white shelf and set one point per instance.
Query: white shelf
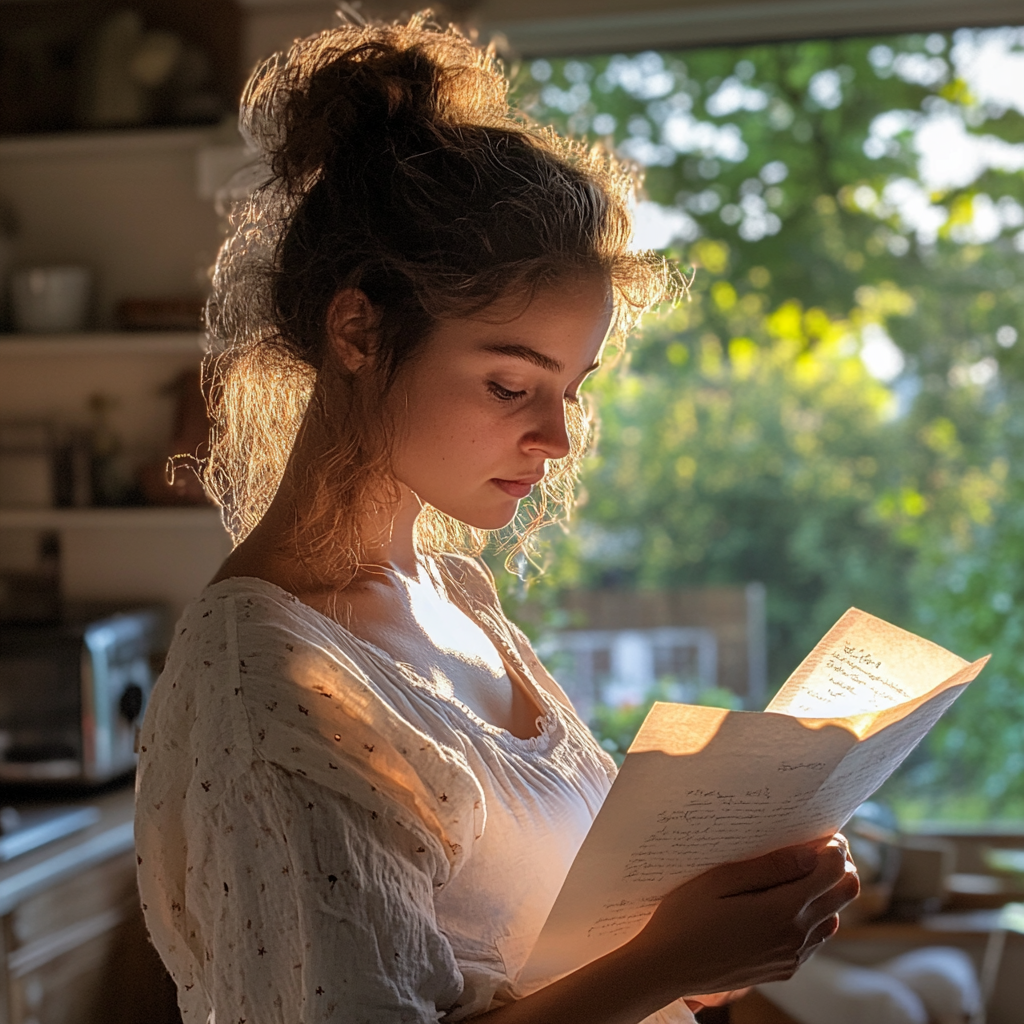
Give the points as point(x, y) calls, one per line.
point(65, 144)
point(88, 343)
point(201, 518)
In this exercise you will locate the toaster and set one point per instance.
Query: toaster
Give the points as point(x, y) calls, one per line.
point(72, 694)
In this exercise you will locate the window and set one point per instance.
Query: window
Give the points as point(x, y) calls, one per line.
point(838, 411)
point(620, 667)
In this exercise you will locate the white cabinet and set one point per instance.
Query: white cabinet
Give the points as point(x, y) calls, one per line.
point(127, 204)
point(134, 554)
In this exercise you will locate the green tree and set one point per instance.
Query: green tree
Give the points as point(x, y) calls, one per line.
point(748, 459)
point(744, 439)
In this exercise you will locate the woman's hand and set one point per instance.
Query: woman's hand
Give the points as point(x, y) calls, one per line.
point(748, 923)
point(736, 925)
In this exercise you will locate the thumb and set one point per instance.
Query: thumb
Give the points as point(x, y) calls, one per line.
point(775, 868)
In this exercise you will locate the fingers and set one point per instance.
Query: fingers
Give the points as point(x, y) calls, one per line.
point(773, 869)
point(843, 843)
point(825, 857)
point(830, 870)
point(824, 931)
point(833, 899)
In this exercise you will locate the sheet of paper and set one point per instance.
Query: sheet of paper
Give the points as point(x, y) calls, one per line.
point(863, 664)
point(703, 786)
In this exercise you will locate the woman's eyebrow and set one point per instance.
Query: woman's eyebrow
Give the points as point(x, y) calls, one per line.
point(531, 355)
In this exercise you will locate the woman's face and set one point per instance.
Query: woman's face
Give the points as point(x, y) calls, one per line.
point(483, 403)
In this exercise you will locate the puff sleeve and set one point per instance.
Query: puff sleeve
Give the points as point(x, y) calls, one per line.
point(312, 908)
point(289, 841)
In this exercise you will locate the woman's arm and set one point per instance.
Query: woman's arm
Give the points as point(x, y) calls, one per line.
point(736, 925)
point(304, 906)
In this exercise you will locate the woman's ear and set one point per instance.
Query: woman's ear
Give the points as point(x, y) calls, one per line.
point(352, 328)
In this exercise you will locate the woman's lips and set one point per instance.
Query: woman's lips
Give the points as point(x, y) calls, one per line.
point(515, 488)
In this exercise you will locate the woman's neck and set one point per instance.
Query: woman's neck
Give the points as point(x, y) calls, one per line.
point(390, 535)
point(283, 547)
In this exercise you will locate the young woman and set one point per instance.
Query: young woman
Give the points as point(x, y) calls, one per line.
point(359, 790)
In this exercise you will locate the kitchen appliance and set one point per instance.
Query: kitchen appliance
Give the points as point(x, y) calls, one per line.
point(72, 694)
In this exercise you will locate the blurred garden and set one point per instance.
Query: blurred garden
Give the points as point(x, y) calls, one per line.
point(838, 410)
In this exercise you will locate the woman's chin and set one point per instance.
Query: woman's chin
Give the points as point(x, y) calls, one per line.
point(491, 522)
point(494, 518)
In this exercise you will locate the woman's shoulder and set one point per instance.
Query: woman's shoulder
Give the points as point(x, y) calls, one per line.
point(252, 640)
point(251, 614)
point(206, 637)
point(241, 650)
point(251, 659)
point(251, 598)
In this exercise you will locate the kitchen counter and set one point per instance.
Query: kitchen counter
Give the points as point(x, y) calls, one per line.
point(73, 944)
point(63, 859)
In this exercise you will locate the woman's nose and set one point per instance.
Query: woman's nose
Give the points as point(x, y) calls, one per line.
point(551, 435)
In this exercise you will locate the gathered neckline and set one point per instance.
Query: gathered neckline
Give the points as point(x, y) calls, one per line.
point(546, 723)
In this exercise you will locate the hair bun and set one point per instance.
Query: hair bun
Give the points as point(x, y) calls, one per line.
point(349, 88)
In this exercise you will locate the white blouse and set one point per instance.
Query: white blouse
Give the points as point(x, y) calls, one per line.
point(325, 836)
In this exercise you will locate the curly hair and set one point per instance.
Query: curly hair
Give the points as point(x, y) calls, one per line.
point(394, 164)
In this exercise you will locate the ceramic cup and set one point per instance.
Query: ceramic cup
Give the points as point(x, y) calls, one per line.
point(50, 299)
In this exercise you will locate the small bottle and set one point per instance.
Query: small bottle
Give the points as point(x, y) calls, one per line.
point(104, 450)
point(72, 470)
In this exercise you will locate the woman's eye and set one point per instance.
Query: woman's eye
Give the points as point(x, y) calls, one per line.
point(504, 394)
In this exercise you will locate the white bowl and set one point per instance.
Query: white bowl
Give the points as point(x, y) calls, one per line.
point(50, 299)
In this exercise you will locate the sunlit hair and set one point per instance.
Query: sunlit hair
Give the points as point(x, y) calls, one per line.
point(395, 165)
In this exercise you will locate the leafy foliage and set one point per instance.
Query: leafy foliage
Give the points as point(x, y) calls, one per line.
point(744, 437)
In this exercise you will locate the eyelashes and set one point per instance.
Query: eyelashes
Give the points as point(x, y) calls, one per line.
point(504, 394)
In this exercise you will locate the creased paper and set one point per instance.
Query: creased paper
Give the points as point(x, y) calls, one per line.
point(704, 786)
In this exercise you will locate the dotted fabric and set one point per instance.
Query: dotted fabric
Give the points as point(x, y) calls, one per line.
point(324, 836)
